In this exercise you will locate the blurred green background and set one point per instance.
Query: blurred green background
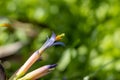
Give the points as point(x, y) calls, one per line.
point(92, 29)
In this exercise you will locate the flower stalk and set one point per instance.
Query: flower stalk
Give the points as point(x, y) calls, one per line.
point(38, 73)
point(35, 56)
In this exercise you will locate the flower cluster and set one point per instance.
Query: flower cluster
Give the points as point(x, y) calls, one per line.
point(42, 71)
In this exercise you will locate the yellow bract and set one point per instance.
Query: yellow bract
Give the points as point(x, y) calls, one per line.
point(4, 25)
point(59, 37)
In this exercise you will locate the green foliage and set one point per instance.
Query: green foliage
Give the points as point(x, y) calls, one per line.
point(92, 38)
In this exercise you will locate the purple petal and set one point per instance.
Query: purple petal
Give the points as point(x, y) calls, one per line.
point(52, 66)
point(53, 36)
point(58, 43)
point(52, 39)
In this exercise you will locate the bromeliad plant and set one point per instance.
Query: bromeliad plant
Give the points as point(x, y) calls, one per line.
point(42, 71)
